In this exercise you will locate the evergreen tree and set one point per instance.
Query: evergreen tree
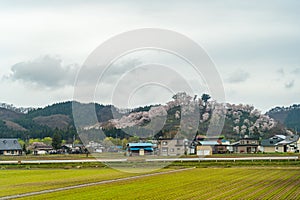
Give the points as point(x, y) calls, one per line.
point(57, 139)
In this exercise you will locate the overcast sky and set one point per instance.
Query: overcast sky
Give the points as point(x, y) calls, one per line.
point(255, 45)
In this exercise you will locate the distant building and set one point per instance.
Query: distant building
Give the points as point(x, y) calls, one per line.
point(40, 148)
point(246, 145)
point(289, 144)
point(140, 148)
point(172, 147)
point(95, 147)
point(10, 147)
point(204, 150)
point(281, 143)
point(269, 145)
point(217, 145)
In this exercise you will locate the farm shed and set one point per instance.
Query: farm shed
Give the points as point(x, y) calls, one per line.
point(139, 148)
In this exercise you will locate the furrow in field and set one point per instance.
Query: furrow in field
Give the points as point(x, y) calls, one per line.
point(266, 187)
point(220, 183)
point(248, 187)
point(279, 186)
point(235, 189)
point(290, 192)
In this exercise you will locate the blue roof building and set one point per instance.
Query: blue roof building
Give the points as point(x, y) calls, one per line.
point(140, 148)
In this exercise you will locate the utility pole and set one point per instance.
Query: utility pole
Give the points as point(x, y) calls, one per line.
point(73, 141)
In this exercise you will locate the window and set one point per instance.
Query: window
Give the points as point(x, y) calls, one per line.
point(172, 150)
point(165, 143)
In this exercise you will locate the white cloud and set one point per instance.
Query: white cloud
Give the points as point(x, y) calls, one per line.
point(45, 71)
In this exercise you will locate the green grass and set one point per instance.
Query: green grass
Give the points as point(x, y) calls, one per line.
point(201, 183)
point(22, 181)
point(47, 157)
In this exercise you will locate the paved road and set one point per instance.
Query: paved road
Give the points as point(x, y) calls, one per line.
point(224, 159)
point(149, 160)
point(90, 184)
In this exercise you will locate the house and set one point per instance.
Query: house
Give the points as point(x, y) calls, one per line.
point(95, 147)
point(281, 143)
point(289, 144)
point(269, 145)
point(204, 150)
point(40, 148)
point(172, 147)
point(246, 145)
point(139, 148)
point(10, 147)
point(217, 145)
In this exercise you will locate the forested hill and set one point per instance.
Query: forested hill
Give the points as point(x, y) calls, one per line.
point(240, 120)
point(289, 116)
point(43, 122)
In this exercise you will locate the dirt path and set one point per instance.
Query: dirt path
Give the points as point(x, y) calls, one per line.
point(89, 184)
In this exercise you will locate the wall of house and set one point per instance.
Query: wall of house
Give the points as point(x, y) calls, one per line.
point(291, 149)
point(204, 150)
point(241, 149)
point(171, 148)
point(244, 149)
point(12, 152)
point(280, 149)
point(269, 149)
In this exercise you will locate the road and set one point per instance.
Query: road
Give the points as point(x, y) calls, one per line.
point(148, 160)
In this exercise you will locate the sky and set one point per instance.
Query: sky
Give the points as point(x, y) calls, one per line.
point(254, 45)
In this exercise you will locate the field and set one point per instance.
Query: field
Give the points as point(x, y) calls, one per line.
point(121, 155)
point(198, 183)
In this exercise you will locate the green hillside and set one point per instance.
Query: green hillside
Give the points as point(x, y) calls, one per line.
point(150, 121)
point(288, 116)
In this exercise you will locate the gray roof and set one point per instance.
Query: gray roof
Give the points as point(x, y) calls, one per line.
point(279, 140)
point(271, 141)
point(281, 136)
point(289, 139)
point(9, 144)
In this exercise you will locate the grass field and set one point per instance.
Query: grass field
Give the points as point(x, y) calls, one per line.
point(199, 183)
point(23, 181)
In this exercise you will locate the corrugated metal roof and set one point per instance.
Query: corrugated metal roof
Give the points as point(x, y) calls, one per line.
point(9, 144)
point(209, 142)
point(137, 149)
point(140, 144)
